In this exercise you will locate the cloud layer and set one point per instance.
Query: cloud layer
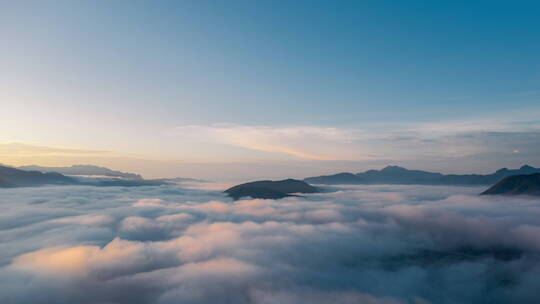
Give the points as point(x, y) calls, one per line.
point(365, 244)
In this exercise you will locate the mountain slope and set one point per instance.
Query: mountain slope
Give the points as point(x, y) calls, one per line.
point(399, 175)
point(270, 189)
point(516, 185)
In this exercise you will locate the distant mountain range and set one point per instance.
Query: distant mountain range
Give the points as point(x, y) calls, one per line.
point(517, 185)
point(84, 170)
point(87, 175)
point(12, 177)
point(524, 180)
point(402, 176)
point(270, 189)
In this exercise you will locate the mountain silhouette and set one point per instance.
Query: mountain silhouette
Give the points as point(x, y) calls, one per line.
point(402, 176)
point(84, 170)
point(12, 177)
point(527, 184)
point(267, 189)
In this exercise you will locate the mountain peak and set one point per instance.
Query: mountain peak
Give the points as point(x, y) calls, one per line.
point(526, 167)
point(393, 169)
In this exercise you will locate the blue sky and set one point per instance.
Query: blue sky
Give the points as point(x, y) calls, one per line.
point(131, 83)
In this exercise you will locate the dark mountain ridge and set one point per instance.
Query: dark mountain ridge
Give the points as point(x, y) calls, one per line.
point(527, 184)
point(268, 189)
point(12, 177)
point(399, 175)
point(84, 170)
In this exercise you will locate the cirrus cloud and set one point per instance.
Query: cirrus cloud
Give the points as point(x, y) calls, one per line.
point(429, 140)
point(309, 142)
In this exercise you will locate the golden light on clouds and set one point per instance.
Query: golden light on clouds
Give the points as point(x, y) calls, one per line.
point(60, 260)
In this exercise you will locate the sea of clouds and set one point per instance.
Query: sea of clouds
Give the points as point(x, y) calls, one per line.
point(180, 244)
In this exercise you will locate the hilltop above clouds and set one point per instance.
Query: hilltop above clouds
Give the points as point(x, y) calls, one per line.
point(517, 185)
point(270, 189)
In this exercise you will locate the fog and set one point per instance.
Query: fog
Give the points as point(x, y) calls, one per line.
point(181, 244)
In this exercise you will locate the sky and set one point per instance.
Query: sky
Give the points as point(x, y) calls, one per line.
point(246, 89)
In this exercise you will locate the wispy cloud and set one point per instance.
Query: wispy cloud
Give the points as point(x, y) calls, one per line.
point(309, 142)
point(405, 141)
point(20, 149)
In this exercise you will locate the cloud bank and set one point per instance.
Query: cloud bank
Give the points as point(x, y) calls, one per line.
point(361, 244)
